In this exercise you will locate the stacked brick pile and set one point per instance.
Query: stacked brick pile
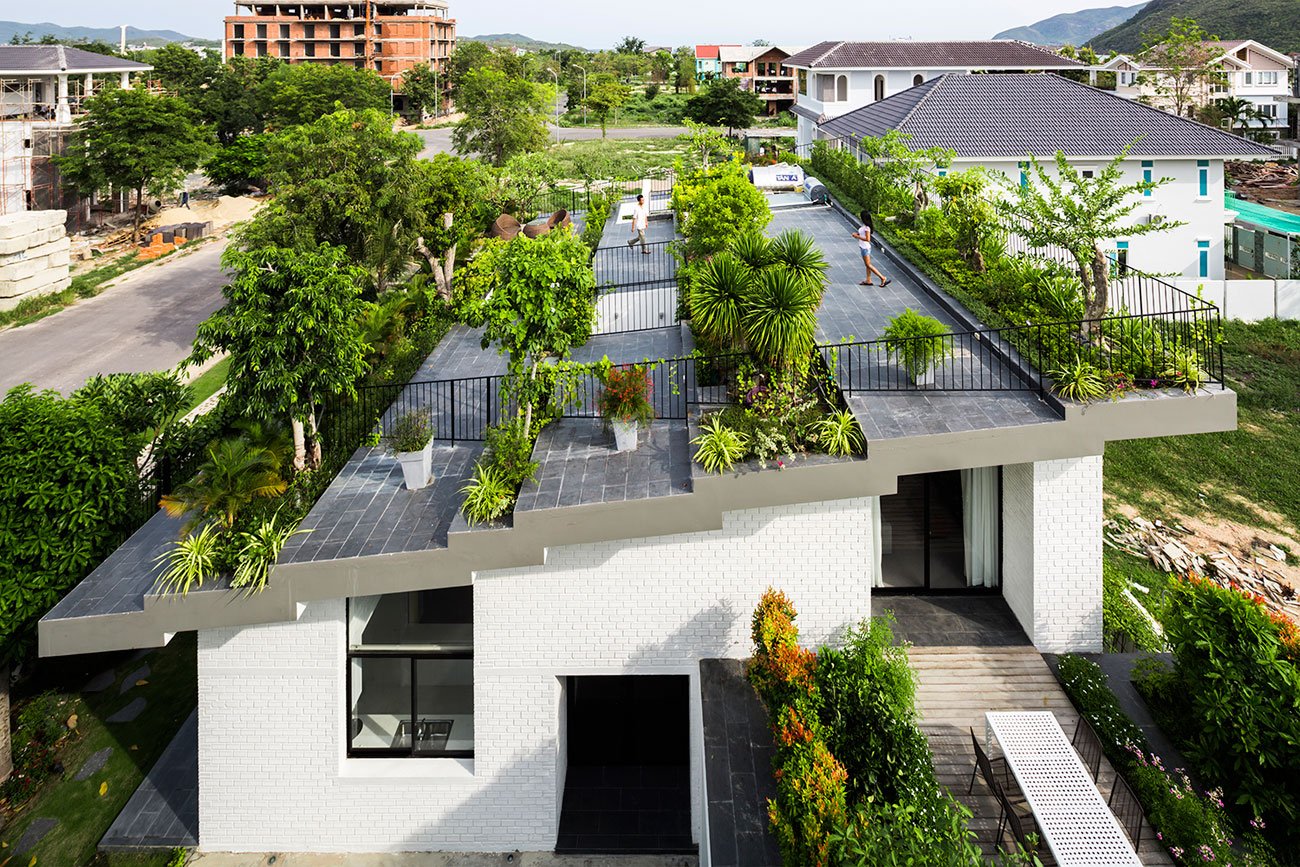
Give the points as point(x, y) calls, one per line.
point(34, 255)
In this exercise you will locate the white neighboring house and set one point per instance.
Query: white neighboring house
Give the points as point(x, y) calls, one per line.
point(835, 78)
point(1007, 118)
point(1252, 71)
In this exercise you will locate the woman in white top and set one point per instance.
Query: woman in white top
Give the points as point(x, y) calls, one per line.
point(863, 236)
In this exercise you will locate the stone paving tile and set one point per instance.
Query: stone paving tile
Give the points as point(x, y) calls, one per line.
point(101, 681)
point(129, 713)
point(94, 764)
point(35, 833)
point(632, 347)
point(164, 811)
point(951, 621)
point(579, 465)
point(128, 682)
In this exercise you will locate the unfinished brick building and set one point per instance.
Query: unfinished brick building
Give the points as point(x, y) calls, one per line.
point(388, 37)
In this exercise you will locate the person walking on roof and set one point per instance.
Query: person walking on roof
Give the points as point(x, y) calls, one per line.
point(864, 236)
point(640, 224)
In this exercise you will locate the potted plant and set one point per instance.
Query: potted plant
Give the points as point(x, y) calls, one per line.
point(918, 342)
point(411, 439)
point(625, 403)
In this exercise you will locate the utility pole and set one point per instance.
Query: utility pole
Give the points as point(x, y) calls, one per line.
point(584, 92)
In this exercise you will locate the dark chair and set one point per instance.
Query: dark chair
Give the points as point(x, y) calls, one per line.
point(1021, 828)
point(1127, 809)
point(1088, 746)
point(995, 771)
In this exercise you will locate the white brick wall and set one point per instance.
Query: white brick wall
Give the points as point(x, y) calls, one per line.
point(1052, 516)
point(272, 771)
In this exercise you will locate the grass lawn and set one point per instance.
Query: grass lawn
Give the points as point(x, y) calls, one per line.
point(623, 158)
point(84, 813)
point(1246, 476)
point(207, 384)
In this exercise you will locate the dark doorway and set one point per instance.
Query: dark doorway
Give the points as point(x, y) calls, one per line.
point(924, 535)
point(627, 783)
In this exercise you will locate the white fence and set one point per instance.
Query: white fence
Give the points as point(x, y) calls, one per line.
point(1249, 300)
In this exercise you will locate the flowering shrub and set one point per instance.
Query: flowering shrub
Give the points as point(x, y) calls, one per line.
point(810, 784)
point(626, 393)
point(1237, 682)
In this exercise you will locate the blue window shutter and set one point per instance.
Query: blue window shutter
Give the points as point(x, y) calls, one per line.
point(1203, 167)
point(1204, 248)
point(1148, 174)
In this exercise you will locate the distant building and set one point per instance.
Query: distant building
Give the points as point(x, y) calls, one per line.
point(761, 70)
point(42, 88)
point(835, 78)
point(1249, 70)
point(708, 63)
point(388, 37)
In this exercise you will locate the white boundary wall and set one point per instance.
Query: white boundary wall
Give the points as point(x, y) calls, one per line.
point(1249, 300)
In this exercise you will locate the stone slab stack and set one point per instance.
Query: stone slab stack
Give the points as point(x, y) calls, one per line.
point(34, 255)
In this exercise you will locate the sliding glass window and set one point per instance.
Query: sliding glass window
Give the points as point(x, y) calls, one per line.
point(410, 675)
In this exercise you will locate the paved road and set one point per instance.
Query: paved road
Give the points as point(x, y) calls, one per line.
point(439, 140)
point(147, 321)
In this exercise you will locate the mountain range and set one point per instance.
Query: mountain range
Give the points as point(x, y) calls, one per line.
point(1073, 28)
point(134, 35)
point(1276, 23)
point(516, 40)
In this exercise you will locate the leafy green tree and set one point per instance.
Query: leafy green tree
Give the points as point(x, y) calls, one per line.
point(421, 88)
point(504, 115)
point(1080, 214)
point(723, 103)
point(1179, 64)
point(451, 196)
point(183, 72)
point(970, 213)
point(473, 55)
point(291, 327)
point(661, 66)
point(535, 301)
point(347, 180)
point(68, 486)
point(302, 93)
point(235, 474)
point(1239, 113)
point(684, 69)
point(134, 140)
point(718, 206)
point(606, 96)
point(241, 165)
point(233, 102)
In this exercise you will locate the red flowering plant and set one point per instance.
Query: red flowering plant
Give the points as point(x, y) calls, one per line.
point(811, 794)
point(626, 395)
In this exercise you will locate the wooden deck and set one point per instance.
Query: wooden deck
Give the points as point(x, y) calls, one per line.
point(957, 685)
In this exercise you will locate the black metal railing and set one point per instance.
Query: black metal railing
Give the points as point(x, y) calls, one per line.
point(625, 266)
point(578, 199)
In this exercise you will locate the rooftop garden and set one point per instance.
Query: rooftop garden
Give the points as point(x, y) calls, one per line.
point(1031, 261)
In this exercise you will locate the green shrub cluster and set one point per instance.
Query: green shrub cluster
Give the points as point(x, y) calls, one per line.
point(1127, 624)
point(1190, 824)
point(854, 773)
point(1235, 692)
point(39, 729)
point(715, 206)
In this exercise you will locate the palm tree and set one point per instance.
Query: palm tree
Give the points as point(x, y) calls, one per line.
point(780, 318)
point(799, 254)
point(235, 474)
point(1239, 113)
point(718, 300)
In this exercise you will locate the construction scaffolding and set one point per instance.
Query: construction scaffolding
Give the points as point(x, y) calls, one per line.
point(29, 141)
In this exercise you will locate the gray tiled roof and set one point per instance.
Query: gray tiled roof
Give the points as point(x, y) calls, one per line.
point(1012, 115)
point(907, 54)
point(38, 59)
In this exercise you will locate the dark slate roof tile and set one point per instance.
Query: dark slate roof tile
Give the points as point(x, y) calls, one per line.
point(909, 54)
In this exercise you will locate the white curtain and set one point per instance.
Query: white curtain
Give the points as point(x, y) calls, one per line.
point(877, 545)
point(979, 495)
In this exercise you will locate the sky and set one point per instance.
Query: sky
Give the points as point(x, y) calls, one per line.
point(601, 23)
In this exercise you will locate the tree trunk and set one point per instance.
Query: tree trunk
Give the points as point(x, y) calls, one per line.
point(528, 408)
point(1099, 300)
point(139, 208)
point(6, 747)
point(299, 445)
point(315, 454)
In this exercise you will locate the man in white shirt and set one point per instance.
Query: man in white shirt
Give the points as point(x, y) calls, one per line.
point(640, 223)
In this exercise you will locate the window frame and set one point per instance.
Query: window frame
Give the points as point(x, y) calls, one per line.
point(414, 657)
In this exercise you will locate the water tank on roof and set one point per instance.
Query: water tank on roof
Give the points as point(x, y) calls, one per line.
point(778, 177)
point(815, 191)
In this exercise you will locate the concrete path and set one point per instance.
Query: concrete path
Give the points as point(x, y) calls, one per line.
point(146, 321)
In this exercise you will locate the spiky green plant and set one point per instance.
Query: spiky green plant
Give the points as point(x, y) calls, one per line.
point(1184, 369)
point(754, 249)
point(800, 254)
point(488, 495)
point(258, 553)
point(718, 299)
point(718, 446)
point(190, 562)
point(780, 317)
point(1079, 380)
point(839, 434)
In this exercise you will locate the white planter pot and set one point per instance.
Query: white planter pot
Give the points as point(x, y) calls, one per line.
point(625, 433)
point(417, 467)
point(925, 377)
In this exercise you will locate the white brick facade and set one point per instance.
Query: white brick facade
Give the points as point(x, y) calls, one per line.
point(1052, 518)
point(272, 771)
